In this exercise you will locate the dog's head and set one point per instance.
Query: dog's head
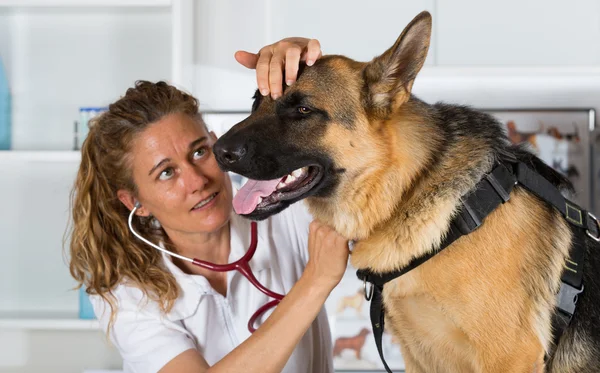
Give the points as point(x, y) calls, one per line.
point(326, 136)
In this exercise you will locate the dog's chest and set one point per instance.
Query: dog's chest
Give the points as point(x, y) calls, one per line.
point(426, 334)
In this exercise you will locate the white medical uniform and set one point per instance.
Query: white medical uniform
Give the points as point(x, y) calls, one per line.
point(203, 319)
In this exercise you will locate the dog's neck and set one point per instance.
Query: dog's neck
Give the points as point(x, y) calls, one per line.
point(370, 195)
point(423, 186)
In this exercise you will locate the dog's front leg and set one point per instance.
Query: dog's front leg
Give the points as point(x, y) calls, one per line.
point(519, 364)
point(411, 365)
point(537, 367)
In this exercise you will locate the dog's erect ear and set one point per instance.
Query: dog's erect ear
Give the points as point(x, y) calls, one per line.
point(389, 77)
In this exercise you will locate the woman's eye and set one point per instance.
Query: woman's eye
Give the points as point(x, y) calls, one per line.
point(304, 110)
point(166, 174)
point(199, 153)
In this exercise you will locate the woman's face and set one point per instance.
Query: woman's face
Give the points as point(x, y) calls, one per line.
point(178, 179)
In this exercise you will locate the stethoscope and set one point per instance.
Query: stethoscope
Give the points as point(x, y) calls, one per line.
point(241, 265)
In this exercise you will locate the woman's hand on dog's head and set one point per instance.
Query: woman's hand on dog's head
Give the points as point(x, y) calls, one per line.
point(273, 59)
point(328, 252)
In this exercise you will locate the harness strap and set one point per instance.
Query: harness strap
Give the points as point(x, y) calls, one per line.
point(493, 190)
point(476, 206)
point(570, 288)
point(575, 215)
point(377, 313)
point(580, 221)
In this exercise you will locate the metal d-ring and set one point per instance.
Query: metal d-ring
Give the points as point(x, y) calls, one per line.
point(368, 295)
point(595, 219)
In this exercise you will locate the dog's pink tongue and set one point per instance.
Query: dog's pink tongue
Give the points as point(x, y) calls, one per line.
point(246, 199)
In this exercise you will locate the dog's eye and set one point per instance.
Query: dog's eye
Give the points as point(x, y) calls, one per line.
point(303, 110)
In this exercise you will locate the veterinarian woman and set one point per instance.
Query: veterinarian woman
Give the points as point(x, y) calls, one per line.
point(150, 156)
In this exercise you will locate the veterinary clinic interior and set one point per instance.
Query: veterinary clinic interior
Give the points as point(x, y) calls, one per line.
point(533, 65)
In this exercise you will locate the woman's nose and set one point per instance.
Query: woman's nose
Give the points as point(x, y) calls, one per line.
point(194, 179)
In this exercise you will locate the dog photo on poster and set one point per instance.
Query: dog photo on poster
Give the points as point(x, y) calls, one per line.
point(354, 347)
point(560, 138)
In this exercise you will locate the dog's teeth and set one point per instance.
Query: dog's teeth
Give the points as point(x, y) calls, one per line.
point(290, 179)
point(260, 199)
point(298, 172)
point(280, 185)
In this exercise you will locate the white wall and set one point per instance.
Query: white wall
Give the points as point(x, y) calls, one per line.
point(470, 33)
point(518, 32)
point(358, 29)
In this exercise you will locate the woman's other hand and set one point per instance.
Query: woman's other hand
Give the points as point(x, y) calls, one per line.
point(273, 59)
point(328, 252)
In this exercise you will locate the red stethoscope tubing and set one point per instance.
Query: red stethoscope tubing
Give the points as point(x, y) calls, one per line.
point(242, 266)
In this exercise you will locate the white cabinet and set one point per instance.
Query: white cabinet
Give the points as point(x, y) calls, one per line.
point(517, 32)
point(358, 29)
point(60, 59)
point(465, 33)
point(61, 55)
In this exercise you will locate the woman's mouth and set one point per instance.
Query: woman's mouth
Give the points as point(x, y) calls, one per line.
point(205, 203)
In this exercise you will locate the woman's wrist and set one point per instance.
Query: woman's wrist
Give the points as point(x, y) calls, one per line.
point(318, 282)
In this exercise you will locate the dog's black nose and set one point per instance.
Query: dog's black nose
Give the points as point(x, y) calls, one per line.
point(228, 155)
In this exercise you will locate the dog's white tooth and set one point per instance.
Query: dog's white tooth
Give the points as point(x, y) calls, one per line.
point(297, 172)
point(290, 179)
point(259, 200)
point(280, 185)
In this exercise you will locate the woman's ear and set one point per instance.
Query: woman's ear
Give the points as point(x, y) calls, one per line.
point(127, 198)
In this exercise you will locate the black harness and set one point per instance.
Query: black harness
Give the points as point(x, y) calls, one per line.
point(493, 190)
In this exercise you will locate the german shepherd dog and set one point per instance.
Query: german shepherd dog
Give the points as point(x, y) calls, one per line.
point(388, 170)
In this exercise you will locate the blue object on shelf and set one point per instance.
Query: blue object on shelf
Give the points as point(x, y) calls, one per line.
point(85, 115)
point(5, 110)
point(86, 311)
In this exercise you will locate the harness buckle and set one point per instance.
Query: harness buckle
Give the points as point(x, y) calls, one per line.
point(495, 183)
point(567, 298)
point(587, 231)
point(369, 294)
point(468, 219)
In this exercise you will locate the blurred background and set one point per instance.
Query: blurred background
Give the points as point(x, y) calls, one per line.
point(535, 64)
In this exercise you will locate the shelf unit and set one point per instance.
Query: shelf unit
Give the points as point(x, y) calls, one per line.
point(46, 321)
point(36, 178)
point(114, 44)
point(84, 3)
point(40, 156)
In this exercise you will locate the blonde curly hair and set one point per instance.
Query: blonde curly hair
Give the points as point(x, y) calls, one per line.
point(103, 252)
